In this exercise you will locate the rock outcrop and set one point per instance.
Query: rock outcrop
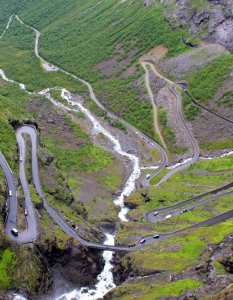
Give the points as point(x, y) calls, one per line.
point(76, 263)
point(211, 21)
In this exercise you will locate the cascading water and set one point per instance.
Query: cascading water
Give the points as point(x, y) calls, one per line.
point(105, 279)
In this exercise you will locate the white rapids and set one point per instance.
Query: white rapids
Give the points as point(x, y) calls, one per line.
point(105, 279)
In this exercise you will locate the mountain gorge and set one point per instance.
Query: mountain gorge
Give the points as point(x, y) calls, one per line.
point(161, 75)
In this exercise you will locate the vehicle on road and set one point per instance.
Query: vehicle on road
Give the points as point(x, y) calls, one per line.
point(142, 241)
point(155, 213)
point(167, 217)
point(10, 193)
point(14, 231)
point(21, 159)
point(156, 236)
point(136, 132)
point(147, 176)
point(26, 211)
point(183, 210)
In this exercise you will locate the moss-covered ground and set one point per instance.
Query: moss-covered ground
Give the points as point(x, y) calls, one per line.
point(172, 256)
point(151, 289)
point(201, 177)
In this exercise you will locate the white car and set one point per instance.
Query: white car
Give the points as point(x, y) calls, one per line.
point(167, 217)
point(156, 236)
point(14, 231)
point(10, 193)
point(147, 176)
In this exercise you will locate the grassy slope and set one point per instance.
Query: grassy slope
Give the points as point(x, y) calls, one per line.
point(63, 30)
point(76, 32)
point(171, 256)
point(199, 178)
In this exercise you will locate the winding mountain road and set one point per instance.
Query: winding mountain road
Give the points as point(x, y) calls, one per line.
point(31, 232)
point(24, 238)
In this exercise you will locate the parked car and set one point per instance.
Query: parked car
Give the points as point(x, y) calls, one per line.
point(156, 236)
point(14, 231)
point(26, 211)
point(142, 241)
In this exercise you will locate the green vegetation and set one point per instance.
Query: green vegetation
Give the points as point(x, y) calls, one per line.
point(7, 265)
point(172, 256)
point(210, 145)
point(88, 158)
point(214, 165)
point(188, 247)
point(226, 99)
point(68, 27)
point(158, 177)
point(199, 178)
point(70, 38)
point(205, 81)
point(190, 110)
point(12, 106)
point(151, 289)
point(19, 62)
point(124, 99)
point(101, 211)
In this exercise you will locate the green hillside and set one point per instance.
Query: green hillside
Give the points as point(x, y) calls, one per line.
point(78, 36)
point(102, 42)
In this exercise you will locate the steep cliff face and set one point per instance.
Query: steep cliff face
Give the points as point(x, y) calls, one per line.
point(75, 262)
point(210, 20)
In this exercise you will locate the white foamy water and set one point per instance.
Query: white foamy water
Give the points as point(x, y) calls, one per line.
point(98, 128)
point(105, 282)
point(18, 297)
point(7, 26)
point(22, 86)
point(149, 168)
point(179, 164)
point(2, 73)
point(105, 279)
